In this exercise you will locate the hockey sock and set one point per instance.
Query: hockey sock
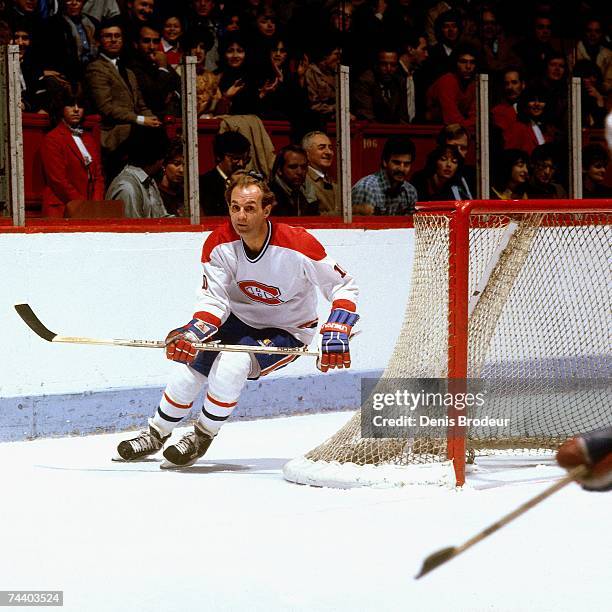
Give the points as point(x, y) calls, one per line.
point(225, 381)
point(177, 400)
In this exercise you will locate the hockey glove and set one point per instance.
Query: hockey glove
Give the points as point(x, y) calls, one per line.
point(335, 342)
point(179, 341)
point(593, 449)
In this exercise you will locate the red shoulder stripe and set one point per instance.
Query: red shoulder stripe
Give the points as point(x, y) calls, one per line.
point(221, 235)
point(297, 239)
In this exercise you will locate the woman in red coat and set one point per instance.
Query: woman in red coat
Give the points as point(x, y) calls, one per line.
point(71, 160)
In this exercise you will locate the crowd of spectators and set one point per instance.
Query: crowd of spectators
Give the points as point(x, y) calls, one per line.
point(411, 61)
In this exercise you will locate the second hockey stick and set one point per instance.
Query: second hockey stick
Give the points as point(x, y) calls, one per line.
point(34, 323)
point(446, 554)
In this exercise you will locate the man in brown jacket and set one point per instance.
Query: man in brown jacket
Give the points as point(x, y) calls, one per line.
point(115, 95)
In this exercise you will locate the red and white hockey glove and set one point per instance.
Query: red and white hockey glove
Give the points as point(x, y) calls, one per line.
point(593, 449)
point(179, 341)
point(335, 342)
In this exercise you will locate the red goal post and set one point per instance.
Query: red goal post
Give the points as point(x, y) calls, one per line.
point(512, 290)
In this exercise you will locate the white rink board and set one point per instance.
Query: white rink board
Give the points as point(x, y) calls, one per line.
point(117, 285)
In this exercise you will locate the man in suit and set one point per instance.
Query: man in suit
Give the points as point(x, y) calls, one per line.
point(379, 94)
point(320, 154)
point(70, 159)
point(116, 96)
point(232, 153)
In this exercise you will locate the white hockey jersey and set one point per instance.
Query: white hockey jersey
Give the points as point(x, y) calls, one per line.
point(278, 287)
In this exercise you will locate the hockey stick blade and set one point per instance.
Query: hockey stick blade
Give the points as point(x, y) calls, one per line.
point(446, 554)
point(33, 322)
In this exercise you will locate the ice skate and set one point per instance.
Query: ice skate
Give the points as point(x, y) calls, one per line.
point(188, 449)
point(148, 442)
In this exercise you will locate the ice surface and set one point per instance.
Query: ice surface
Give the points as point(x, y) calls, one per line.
point(230, 534)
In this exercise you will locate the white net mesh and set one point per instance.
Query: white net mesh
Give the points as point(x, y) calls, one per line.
point(539, 334)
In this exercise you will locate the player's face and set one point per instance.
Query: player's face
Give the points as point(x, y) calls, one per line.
point(246, 213)
point(321, 152)
point(398, 167)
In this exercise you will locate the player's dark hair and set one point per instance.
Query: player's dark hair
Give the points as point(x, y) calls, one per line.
point(398, 145)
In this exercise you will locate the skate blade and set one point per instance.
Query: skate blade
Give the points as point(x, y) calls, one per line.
point(168, 465)
point(120, 459)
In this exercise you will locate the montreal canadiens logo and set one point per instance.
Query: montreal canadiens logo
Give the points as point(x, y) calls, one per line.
point(258, 292)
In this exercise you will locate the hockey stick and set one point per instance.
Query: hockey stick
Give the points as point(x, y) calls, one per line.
point(34, 323)
point(446, 554)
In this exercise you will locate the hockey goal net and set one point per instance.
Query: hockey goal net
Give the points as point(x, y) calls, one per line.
point(516, 294)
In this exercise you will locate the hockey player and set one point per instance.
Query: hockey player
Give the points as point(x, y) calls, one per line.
point(593, 449)
point(259, 288)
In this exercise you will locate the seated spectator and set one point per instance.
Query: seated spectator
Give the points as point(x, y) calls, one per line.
point(511, 175)
point(101, 10)
point(495, 48)
point(33, 92)
point(294, 196)
point(505, 114)
point(203, 19)
point(554, 82)
point(232, 153)
point(159, 83)
point(533, 126)
point(231, 20)
point(595, 160)
point(591, 46)
point(280, 94)
point(544, 166)
point(440, 180)
point(448, 28)
point(320, 153)
point(210, 101)
point(388, 192)
point(171, 35)
point(537, 45)
point(452, 98)
point(456, 135)
point(380, 93)
point(593, 100)
point(321, 80)
point(171, 184)
point(235, 80)
point(136, 14)
point(135, 185)
point(116, 96)
point(70, 158)
point(413, 56)
point(67, 43)
point(263, 29)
